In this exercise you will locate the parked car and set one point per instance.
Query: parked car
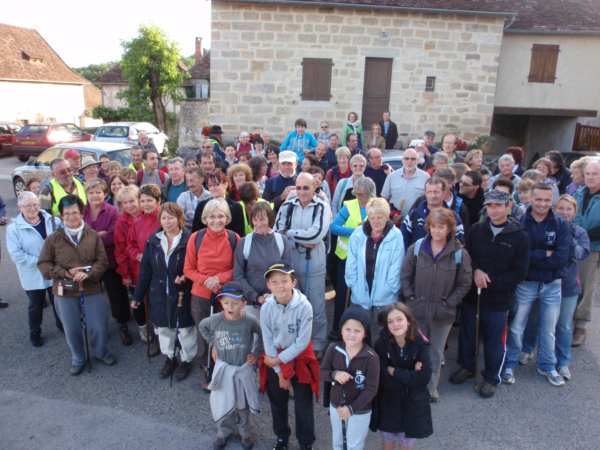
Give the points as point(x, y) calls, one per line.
point(40, 166)
point(393, 158)
point(127, 132)
point(34, 138)
point(7, 131)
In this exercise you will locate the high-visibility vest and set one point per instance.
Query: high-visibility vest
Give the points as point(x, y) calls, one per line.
point(214, 142)
point(354, 218)
point(131, 166)
point(248, 228)
point(59, 192)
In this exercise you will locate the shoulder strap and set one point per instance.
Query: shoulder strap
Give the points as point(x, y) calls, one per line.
point(161, 175)
point(417, 248)
point(232, 240)
point(199, 238)
point(457, 204)
point(275, 180)
point(140, 174)
point(458, 258)
point(279, 242)
point(247, 245)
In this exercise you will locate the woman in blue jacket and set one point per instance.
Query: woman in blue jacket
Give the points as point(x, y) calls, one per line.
point(24, 240)
point(161, 276)
point(375, 255)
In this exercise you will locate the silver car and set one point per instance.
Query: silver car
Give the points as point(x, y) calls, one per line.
point(40, 166)
point(127, 133)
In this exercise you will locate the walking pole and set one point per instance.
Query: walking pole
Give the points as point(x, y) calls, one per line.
point(343, 403)
point(347, 297)
point(179, 305)
point(85, 329)
point(147, 327)
point(208, 374)
point(307, 269)
point(477, 337)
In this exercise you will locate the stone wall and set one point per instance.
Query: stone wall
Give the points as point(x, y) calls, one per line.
point(193, 115)
point(256, 72)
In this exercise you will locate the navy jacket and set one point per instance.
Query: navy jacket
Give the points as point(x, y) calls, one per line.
point(331, 158)
point(391, 137)
point(378, 176)
point(154, 278)
point(274, 187)
point(552, 233)
point(580, 249)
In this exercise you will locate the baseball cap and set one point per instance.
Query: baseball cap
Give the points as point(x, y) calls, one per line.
point(497, 197)
point(71, 154)
point(280, 266)
point(287, 156)
point(429, 133)
point(233, 289)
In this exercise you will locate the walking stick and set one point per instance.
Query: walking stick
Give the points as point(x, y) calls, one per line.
point(347, 297)
point(343, 403)
point(307, 269)
point(208, 374)
point(179, 305)
point(477, 337)
point(85, 329)
point(147, 327)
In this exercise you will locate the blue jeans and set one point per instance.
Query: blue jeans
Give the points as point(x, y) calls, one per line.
point(549, 295)
point(564, 330)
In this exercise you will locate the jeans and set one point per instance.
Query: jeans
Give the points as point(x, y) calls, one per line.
point(549, 295)
point(564, 331)
point(357, 428)
point(36, 308)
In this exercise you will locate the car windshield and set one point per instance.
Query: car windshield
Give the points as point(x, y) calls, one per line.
point(33, 130)
point(113, 131)
point(122, 156)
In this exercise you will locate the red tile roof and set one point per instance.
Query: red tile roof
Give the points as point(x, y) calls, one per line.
point(202, 68)
point(25, 55)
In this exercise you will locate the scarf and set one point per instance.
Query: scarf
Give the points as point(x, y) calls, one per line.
point(75, 233)
point(354, 126)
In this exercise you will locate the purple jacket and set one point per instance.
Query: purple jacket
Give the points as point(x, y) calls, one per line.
point(106, 221)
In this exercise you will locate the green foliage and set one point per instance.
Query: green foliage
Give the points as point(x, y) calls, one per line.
point(189, 61)
point(135, 114)
point(94, 71)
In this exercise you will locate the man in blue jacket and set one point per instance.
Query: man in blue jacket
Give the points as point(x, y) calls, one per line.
point(279, 187)
point(549, 250)
point(588, 217)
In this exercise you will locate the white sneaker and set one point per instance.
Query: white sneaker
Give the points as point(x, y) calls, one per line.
point(553, 377)
point(564, 372)
point(508, 376)
point(143, 335)
point(524, 358)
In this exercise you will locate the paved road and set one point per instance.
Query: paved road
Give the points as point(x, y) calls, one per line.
point(127, 406)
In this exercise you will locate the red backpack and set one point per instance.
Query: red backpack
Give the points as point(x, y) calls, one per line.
point(140, 175)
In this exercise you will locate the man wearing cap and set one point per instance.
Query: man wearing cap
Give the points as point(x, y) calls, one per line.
point(136, 158)
point(499, 250)
point(208, 147)
point(279, 187)
point(89, 169)
point(61, 184)
point(389, 130)
point(74, 159)
point(305, 219)
point(150, 174)
point(214, 136)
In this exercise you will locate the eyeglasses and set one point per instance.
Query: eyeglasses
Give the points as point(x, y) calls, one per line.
point(323, 128)
point(71, 214)
point(358, 166)
point(463, 183)
point(207, 146)
point(303, 188)
point(32, 206)
point(219, 217)
point(210, 186)
point(65, 171)
point(409, 159)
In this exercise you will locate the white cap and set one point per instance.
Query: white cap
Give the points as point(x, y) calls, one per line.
point(287, 156)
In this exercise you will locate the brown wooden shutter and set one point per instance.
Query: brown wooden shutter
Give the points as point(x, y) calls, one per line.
point(324, 79)
point(544, 59)
point(316, 79)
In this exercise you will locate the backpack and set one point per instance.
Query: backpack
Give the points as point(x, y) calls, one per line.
point(140, 175)
point(248, 244)
point(417, 249)
point(231, 234)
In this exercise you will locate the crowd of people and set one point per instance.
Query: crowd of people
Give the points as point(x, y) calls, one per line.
point(225, 256)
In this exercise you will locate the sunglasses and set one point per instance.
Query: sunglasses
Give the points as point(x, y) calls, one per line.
point(303, 188)
point(410, 159)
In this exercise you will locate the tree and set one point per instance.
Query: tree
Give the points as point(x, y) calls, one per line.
point(94, 71)
point(150, 63)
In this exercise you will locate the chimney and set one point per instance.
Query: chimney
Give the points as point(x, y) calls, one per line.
point(198, 49)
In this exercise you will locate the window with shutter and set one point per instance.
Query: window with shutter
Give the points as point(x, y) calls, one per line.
point(543, 63)
point(316, 79)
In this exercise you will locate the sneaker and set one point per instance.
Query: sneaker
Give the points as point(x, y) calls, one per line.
point(564, 372)
point(154, 346)
point(508, 376)
point(35, 337)
point(553, 377)
point(461, 376)
point(125, 336)
point(434, 396)
point(280, 445)
point(170, 365)
point(578, 337)
point(443, 360)
point(524, 358)
point(247, 443)
point(487, 390)
point(76, 370)
point(183, 371)
point(143, 334)
point(3, 304)
point(108, 361)
point(219, 443)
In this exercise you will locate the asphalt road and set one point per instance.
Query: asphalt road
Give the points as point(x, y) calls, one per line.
point(127, 406)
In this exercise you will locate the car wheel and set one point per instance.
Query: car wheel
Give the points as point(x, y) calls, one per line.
point(19, 186)
point(23, 158)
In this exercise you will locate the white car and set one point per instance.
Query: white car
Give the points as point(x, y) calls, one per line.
point(127, 133)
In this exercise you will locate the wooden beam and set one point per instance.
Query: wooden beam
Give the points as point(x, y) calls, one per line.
point(545, 112)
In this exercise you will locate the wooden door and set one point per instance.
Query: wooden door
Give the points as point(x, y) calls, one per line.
point(376, 92)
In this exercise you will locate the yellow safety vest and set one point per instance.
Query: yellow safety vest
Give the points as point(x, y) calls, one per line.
point(353, 220)
point(131, 166)
point(59, 192)
point(248, 228)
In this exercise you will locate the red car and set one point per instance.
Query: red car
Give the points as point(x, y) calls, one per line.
point(7, 130)
point(34, 138)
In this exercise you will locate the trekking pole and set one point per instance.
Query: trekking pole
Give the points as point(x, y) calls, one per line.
point(147, 326)
point(348, 291)
point(307, 269)
point(343, 403)
point(477, 337)
point(179, 305)
point(208, 374)
point(85, 329)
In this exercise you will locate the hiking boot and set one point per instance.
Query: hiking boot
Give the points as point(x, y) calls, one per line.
point(247, 443)
point(3, 304)
point(524, 358)
point(578, 337)
point(125, 336)
point(280, 445)
point(434, 396)
point(170, 365)
point(76, 370)
point(508, 376)
point(219, 443)
point(461, 376)
point(564, 372)
point(154, 346)
point(108, 361)
point(183, 371)
point(35, 337)
point(306, 447)
point(553, 377)
point(487, 390)
point(143, 334)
